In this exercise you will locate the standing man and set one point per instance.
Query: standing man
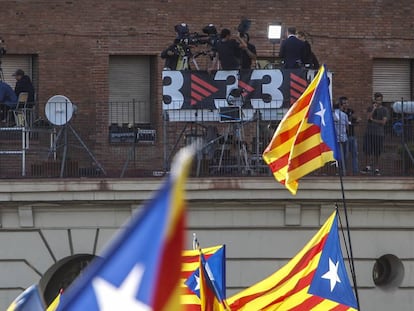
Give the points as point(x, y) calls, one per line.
point(292, 50)
point(310, 59)
point(248, 54)
point(229, 50)
point(352, 144)
point(341, 128)
point(24, 84)
point(177, 55)
point(377, 117)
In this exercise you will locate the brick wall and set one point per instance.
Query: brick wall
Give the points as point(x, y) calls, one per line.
point(74, 38)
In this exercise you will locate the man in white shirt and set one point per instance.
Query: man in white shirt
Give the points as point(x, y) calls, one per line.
point(341, 128)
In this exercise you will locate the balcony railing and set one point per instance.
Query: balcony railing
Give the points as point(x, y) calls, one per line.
point(232, 143)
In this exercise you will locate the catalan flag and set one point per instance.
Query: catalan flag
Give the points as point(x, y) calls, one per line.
point(305, 138)
point(211, 298)
point(55, 303)
point(190, 273)
point(29, 300)
point(140, 269)
point(315, 279)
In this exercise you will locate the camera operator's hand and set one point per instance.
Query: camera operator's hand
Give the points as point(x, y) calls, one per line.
point(242, 43)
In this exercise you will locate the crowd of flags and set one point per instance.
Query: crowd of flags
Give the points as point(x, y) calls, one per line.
point(144, 267)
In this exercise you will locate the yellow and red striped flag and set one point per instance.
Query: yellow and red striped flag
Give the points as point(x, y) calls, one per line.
point(305, 138)
point(315, 279)
point(141, 268)
point(191, 262)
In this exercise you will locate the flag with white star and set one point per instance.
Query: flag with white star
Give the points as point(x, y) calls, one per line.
point(29, 300)
point(305, 139)
point(190, 286)
point(315, 279)
point(140, 269)
point(331, 279)
point(216, 268)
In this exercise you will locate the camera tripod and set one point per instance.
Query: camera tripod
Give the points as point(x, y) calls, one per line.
point(62, 134)
point(237, 128)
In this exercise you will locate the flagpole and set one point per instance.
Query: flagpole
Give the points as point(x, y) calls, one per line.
point(222, 302)
point(352, 264)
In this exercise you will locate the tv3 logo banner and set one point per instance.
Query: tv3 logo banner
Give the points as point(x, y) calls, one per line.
point(262, 88)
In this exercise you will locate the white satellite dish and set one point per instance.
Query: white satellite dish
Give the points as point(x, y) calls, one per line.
point(59, 110)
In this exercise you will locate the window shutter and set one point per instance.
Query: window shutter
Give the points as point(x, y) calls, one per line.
point(129, 89)
point(391, 77)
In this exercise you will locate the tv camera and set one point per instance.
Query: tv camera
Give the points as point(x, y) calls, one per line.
point(209, 36)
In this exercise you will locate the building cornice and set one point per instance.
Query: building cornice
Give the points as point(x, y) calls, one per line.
point(211, 189)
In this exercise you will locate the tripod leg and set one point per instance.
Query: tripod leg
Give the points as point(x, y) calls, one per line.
point(87, 149)
point(409, 152)
point(226, 138)
point(65, 152)
point(130, 156)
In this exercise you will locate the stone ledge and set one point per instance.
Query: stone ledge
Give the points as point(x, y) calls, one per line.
point(246, 188)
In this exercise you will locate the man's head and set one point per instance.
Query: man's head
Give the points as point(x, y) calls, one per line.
point(343, 102)
point(18, 74)
point(225, 33)
point(378, 98)
point(291, 30)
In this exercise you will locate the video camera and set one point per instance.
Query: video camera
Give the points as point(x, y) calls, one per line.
point(2, 49)
point(210, 36)
point(244, 26)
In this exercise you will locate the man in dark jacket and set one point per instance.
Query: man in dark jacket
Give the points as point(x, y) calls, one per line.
point(248, 54)
point(23, 84)
point(292, 50)
point(229, 50)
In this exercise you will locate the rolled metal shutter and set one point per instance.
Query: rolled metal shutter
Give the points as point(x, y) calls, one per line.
point(12, 62)
point(392, 78)
point(129, 89)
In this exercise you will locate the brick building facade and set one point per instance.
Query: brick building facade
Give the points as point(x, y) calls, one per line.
point(72, 43)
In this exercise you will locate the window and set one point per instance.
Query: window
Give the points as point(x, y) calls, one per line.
point(129, 90)
point(393, 78)
point(12, 62)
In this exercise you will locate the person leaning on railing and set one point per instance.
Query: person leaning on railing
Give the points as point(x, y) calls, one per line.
point(8, 100)
point(352, 143)
point(377, 116)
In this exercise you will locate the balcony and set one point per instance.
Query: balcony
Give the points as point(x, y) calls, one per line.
point(229, 149)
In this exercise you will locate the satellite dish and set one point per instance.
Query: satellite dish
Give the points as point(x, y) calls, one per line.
point(59, 110)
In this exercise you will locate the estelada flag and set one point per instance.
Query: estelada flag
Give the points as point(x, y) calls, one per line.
point(315, 279)
point(305, 139)
point(29, 300)
point(190, 274)
point(210, 296)
point(140, 269)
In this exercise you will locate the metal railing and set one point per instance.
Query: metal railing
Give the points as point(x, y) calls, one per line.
point(232, 144)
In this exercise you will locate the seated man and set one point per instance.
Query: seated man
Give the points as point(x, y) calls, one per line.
point(8, 99)
point(24, 84)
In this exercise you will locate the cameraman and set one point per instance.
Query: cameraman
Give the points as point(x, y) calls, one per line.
point(177, 54)
point(248, 54)
point(229, 50)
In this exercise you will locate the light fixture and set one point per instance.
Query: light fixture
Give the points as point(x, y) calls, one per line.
point(274, 32)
